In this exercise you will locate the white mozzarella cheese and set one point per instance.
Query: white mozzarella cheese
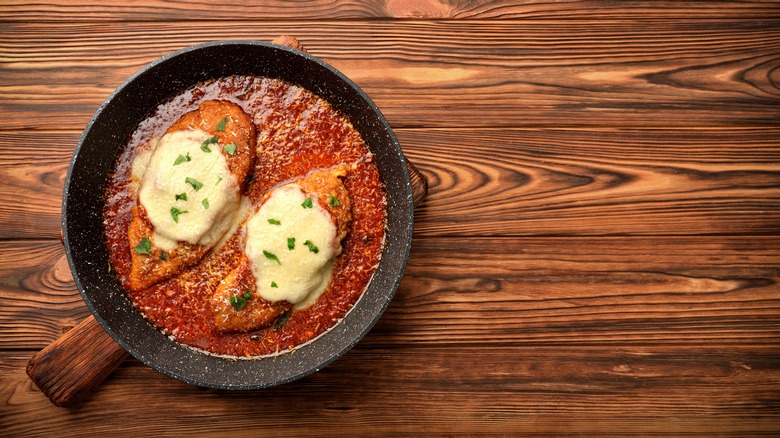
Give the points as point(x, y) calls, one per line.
point(188, 192)
point(296, 270)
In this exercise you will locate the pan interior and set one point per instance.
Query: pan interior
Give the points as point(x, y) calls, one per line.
point(93, 161)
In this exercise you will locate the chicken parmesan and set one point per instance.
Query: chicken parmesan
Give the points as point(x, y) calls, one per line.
point(190, 190)
point(290, 242)
point(245, 217)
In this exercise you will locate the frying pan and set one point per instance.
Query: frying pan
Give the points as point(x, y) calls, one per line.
point(73, 365)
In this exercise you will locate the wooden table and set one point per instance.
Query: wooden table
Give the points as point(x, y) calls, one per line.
point(599, 253)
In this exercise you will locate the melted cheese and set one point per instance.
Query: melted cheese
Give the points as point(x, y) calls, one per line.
point(300, 274)
point(140, 163)
point(163, 180)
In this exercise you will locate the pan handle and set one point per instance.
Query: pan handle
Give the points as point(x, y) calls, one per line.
point(419, 181)
point(419, 184)
point(73, 365)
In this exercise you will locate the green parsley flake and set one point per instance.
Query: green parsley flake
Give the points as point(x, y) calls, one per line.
point(181, 159)
point(197, 185)
point(218, 180)
point(181, 196)
point(334, 202)
point(175, 212)
point(273, 284)
point(307, 203)
point(222, 123)
point(163, 255)
point(312, 247)
point(144, 246)
point(291, 243)
point(271, 256)
point(247, 295)
point(205, 145)
point(205, 203)
point(230, 148)
point(282, 320)
point(274, 222)
point(237, 302)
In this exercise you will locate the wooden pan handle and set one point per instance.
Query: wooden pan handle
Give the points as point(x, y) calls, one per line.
point(419, 184)
point(419, 181)
point(73, 365)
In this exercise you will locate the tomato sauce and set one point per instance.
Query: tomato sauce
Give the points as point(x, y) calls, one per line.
point(297, 132)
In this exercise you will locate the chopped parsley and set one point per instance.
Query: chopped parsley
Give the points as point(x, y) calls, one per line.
point(334, 202)
point(222, 123)
point(247, 295)
point(291, 243)
point(181, 159)
point(144, 246)
point(237, 302)
point(273, 284)
point(205, 203)
point(307, 203)
point(274, 222)
point(181, 196)
point(271, 256)
point(163, 255)
point(209, 141)
point(312, 247)
point(282, 320)
point(230, 148)
point(197, 185)
point(175, 212)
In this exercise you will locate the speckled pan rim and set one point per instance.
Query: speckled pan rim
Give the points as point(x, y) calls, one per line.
point(152, 348)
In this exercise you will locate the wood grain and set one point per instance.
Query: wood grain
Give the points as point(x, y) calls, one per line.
point(513, 182)
point(598, 255)
point(39, 298)
point(157, 10)
point(579, 291)
point(566, 321)
point(610, 182)
point(507, 390)
point(449, 74)
point(68, 369)
point(34, 178)
point(695, 291)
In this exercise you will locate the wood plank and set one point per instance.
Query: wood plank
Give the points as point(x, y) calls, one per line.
point(643, 291)
point(158, 10)
point(33, 167)
point(610, 182)
point(513, 390)
point(463, 73)
point(577, 291)
point(511, 182)
point(39, 297)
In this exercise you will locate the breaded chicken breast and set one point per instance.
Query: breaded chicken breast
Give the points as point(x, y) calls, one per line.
point(190, 191)
point(291, 240)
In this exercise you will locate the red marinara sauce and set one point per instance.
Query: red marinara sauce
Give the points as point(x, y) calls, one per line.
point(297, 132)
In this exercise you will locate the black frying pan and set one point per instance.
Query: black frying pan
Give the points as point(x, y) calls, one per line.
point(94, 158)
